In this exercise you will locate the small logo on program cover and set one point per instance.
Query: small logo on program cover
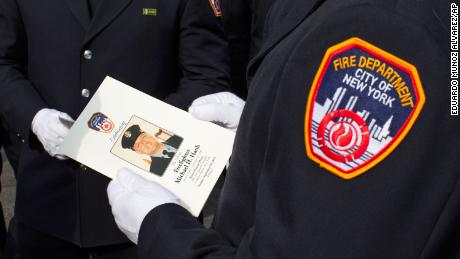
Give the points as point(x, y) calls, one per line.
point(361, 105)
point(100, 122)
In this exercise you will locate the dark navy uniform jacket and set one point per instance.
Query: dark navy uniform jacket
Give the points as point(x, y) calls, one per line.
point(277, 202)
point(52, 55)
point(244, 22)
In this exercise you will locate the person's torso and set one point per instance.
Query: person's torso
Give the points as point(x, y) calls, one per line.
point(69, 54)
point(405, 202)
point(133, 41)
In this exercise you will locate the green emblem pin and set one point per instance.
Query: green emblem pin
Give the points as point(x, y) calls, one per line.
point(149, 11)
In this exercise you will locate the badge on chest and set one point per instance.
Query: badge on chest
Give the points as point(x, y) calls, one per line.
point(362, 103)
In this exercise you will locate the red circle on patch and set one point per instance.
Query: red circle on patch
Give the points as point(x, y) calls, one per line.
point(343, 136)
point(107, 126)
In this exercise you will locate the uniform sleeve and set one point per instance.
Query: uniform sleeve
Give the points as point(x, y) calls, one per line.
point(19, 101)
point(203, 55)
point(170, 231)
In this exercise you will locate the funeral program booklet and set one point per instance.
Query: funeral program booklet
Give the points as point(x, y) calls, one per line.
point(123, 127)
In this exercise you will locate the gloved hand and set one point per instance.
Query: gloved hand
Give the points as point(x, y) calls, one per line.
point(223, 108)
point(50, 130)
point(132, 197)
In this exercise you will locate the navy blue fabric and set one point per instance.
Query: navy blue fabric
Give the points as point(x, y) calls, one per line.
point(244, 22)
point(177, 56)
point(277, 203)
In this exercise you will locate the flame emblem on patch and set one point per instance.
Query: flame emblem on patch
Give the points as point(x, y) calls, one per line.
point(343, 136)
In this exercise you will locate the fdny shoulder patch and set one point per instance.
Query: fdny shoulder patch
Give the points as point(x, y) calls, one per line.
point(215, 5)
point(362, 103)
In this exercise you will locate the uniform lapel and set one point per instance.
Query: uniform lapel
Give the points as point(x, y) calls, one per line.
point(80, 10)
point(106, 13)
point(292, 14)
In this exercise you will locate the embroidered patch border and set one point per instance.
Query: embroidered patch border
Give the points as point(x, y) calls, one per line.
point(325, 152)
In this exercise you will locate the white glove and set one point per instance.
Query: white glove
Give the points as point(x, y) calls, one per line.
point(223, 108)
point(132, 197)
point(50, 130)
